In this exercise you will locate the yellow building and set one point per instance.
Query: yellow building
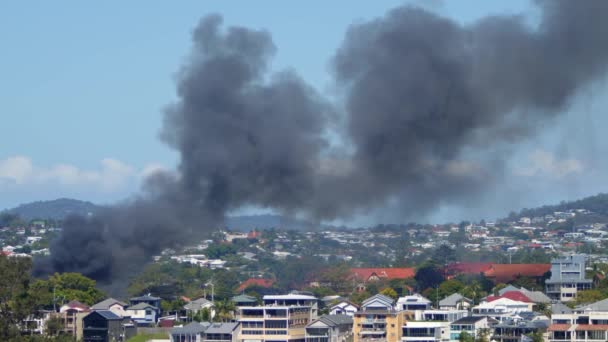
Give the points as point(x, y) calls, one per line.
point(379, 325)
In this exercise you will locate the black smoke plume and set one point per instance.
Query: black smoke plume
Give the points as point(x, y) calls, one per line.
point(427, 107)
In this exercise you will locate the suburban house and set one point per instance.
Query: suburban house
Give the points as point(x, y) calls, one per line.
point(378, 320)
point(330, 328)
point(244, 300)
point(431, 325)
point(283, 317)
point(111, 304)
point(501, 309)
point(512, 295)
point(506, 273)
point(221, 332)
point(192, 332)
point(147, 299)
point(373, 274)
point(567, 278)
point(143, 314)
point(413, 302)
point(475, 326)
point(106, 326)
point(197, 305)
point(344, 308)
point(72, 314)
point(455, 301)
point(515, 330)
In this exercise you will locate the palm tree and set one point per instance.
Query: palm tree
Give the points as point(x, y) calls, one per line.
point(224, 310)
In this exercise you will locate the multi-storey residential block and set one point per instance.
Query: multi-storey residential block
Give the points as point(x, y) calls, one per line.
point(281, 318)
point(567, 278)
point(585, 323)
point(330, 328)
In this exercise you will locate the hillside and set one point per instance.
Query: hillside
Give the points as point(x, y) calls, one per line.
point(54, 209)
point(597, 204)
point(247, 222)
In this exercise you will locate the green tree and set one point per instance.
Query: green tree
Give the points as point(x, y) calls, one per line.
point(15, 302)
point(450, 287)
point(465, 337)
point(589, 296)
point(224, 310)
point(54, 325)
point(428, 276)
point(389, 292)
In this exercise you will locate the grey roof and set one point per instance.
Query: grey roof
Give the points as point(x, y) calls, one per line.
point(454, 299)
point(468, 320)
point(384, 299)
point(198, 304)
point(601, 305)
point(244, 299)
point(142, 306)
point(536, 296)
point(336, 320)
point(192, 328)
point(560, 308)
point(107, 314)
point(222, 328)
point(538, 324)
point(106, 303)
point(507, 289)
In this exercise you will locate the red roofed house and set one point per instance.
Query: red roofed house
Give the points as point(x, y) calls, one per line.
point(458, 268)
point(373, 274)
point(505, 273)
point(513, 295)
point(265, 283)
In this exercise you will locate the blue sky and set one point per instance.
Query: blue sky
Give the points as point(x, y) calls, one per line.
point(83, 86)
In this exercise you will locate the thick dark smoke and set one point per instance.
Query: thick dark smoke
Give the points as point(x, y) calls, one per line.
point(429, 105)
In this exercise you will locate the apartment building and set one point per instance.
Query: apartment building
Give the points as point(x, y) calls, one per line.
point(431, 325)
point(330, 328)
point(584, 323)
point(567, 278)
point(378, 321)
point(280, 318)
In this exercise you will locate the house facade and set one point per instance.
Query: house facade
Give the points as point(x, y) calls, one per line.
point(330, 328)
point(567, 278)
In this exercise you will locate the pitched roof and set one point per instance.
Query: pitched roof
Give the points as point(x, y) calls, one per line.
point(454, 299)
point(106, 303)
point(536, 296)
point(507, 289)
point(469, 320)
point(560, 308)
point(107, 314)
point(468, 267)
point(514, 295)
point(192, 328)
point(335, 320)
point(507, 272)
point(365, 274)
point(601, 305)
point(74, 304)
point(222, 328)
point(244, 299)
point(388, 301)
point(141, 306)
point(266, 283)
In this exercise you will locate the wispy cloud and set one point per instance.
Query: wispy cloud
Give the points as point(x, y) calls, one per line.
point(112, 175)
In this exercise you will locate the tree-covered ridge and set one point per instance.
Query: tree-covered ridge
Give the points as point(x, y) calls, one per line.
point(55, 209)
point(597, 204)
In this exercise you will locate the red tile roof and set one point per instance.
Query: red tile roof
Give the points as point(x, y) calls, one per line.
point(513, 295)
point(559, 327)
point(365, 274)
point(266, 283)
point(468, 267)
point(596, 327)
point(74, 304)
point(504, 273)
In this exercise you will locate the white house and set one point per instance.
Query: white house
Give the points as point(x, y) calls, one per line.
point(501, 309)
point(412, 303)
point(117, 307)
point(143, 314)
point(344, 308)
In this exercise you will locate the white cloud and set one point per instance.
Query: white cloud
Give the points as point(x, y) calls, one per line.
point(543, 163)
point(112, 175)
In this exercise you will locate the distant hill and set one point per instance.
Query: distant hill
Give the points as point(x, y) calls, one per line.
point(248, 222)
point(55, 209)
point(598, 204)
